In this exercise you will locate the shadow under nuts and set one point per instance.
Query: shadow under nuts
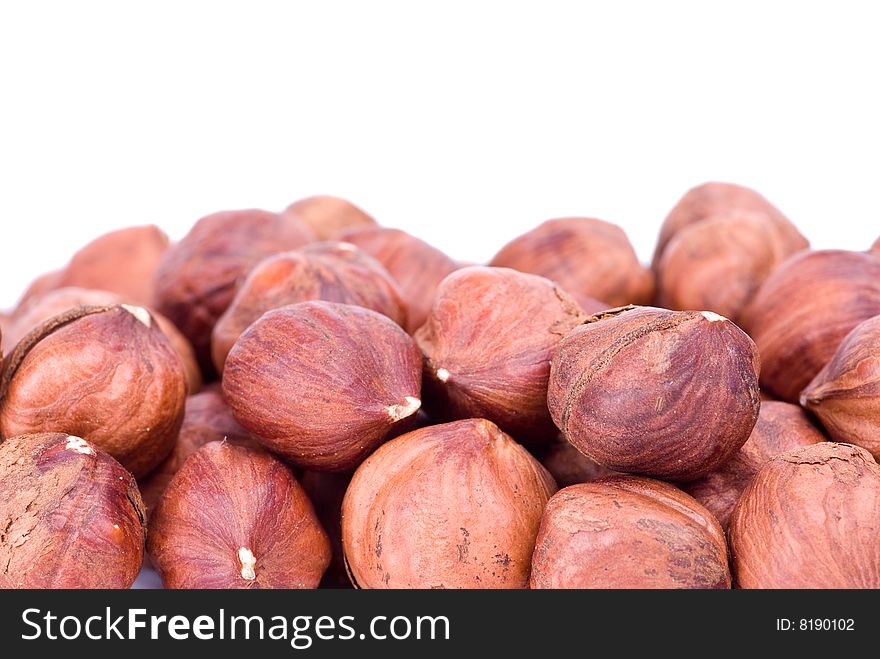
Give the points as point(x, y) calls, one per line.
point(235, 517)
point(72, 515)
point(669, 394)
point(449, 506)
point(810, 519)
point(628, 532)
point(107, 374)
point(323, 384)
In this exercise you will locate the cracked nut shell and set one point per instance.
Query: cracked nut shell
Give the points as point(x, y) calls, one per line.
point(669, 394)
point(449, 506)
point(70, 516)
point(235, 517)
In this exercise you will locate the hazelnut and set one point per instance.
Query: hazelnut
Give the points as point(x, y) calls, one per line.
point(449, 506)
point(781, 427)
point(71, 516)
point(487, 344)
point(331, 271)
point(235, 517)
point(568, 466)
point(669, 394)
point(628, 532)
point(198, 276)
point(41, 308)
point(720, 262)
point(40, 286)
point(326, 491)
point(710, 199)
point(206, 418)
point(123, 262)
point(328, 216)
point(415, 265)
point(589, 258)
point(805, 309)
point(809, 519)
point(323, 384)
point(107, 374)
point(845, 394)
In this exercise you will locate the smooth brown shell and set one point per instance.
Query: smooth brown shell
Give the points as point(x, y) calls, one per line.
point(781, 427)
point(198, 276)
point(628, 532)
point(718, 264)
point(845, 394)
point(235, 517)
point(328, 216)
point(809, 519)
point(71, 516)
point(568, 466)
point(323, 384)
point(487, 345)
point(590, 259)
point(415, 265)
point(207, 418)
point(805, 309)
point(107, 374)
point(714, 198)
point(669, 394)
point(331, 271)
point(449, 506)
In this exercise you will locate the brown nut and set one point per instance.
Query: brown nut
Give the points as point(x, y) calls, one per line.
point(328, 216)
point(669, 394)
point(331, 271)
point(449, 506)
point(628, 532)
point(235, 517)
point(198, 276)
point(107, 374)
point(71, 516)
point(781, 427)
point(207, 418)
point(710, 199)
point(845, 394)
point(805, 309)
point(487, 344)
point(41, 308)
point(39, 286)
point(323, 384)
point(719, 264)
point(326, 492)
point(568, 466)
point(590, 259)
point(415, 265)
point(809, 519)
point(123, 262)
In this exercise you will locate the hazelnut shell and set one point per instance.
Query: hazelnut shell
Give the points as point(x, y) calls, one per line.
point(568, 466)
point(327, 216)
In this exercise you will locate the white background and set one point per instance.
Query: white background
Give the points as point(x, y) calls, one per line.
point(463, 122)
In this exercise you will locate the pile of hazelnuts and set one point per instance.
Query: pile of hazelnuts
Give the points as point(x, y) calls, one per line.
point(306, 398)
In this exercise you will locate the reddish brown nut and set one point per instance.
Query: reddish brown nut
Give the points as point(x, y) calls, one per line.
point(123, 262)
point(805, 309)
point(326, 492)
point(487, 344)
point(41, 308)
point(328, 216)
point(845, 394)
point(71, 516)
point(669, 394)
point(107, 374)
point(197, 277)
point(323, 384)
point(40, 286)
point(415, 265)
point(781, 427)
point(331, 271)
point(720, 262)
point(589, 258)
point(809, 519)
point(568, 466)
point(710, 199)
point(628, 532)
point(449, 506)
point(207, 418)
point(235, 517)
